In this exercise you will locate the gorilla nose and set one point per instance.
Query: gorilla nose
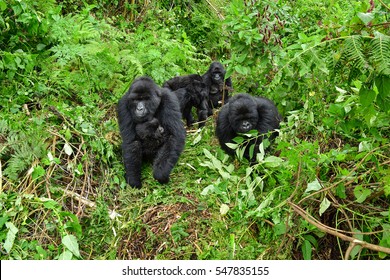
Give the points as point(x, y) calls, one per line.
point(246, 125)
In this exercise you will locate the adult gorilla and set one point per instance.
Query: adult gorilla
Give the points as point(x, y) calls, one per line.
point(244, 113)
point(218, 88)
point(191, 91)
point(143, 102)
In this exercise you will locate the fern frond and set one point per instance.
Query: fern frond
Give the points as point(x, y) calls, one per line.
point(380, 53)
point(353, 52)
point(22, 150)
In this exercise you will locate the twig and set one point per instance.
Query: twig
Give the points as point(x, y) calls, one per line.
point(336, 233)
point(215, 9)
point(87, 202)
point(384, 5)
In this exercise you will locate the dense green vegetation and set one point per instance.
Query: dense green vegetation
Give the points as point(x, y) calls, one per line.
point(65, 64)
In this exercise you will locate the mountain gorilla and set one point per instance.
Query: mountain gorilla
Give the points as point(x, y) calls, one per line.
point(191, 92)
point(244, 113)
point(143, 102)
point(151, 134)
point(218, 88)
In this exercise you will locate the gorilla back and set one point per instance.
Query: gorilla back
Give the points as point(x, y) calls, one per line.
point(191, 91)
point(143, 102)
point(244, 113)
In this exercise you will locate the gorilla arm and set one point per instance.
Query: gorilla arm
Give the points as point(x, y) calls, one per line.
point(269, 117)
point(131, 149)
point(169, 116)
point(224, 130)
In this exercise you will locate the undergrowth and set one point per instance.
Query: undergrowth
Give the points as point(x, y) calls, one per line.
point(322, 193)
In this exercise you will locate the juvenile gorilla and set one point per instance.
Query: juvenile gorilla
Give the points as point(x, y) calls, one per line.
point(143, 102)
point(218, 88)
point(151, 134)
point(244, 113)
point(191, 92)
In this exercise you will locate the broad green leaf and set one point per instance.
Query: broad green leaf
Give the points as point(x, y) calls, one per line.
point(383, 85)
point(3, 220)
point(3, 5)
point(340, 191)
point(208, 189)
point(313, 186)
point(280, 229)
point(40, 47)
point(306, 250)
point(251, 151)
point(366, 17)
point(366, 96)
point(207, 154)
point(38, 172)
point(232, 146)
point(361, 193)
point(265, 203)
point(65, 256)
point(357, 248)
point(197, 139)
point(11, 234)
point(385, 241)
point(51, 204)
point(70, 242)
point(68, 149)
point(224, 209)
point(365, 146)
point(324, 205)
point(272, 161)
point(311, 239)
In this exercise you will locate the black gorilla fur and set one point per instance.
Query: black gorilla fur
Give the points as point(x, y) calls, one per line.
point(217, 87)
point(191, 92)
point(151, 134)
point(143, 102)
point(244, 113)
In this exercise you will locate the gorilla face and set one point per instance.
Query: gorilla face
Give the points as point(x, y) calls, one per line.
point(143, 99)
point(243, 114)
point(217, 72)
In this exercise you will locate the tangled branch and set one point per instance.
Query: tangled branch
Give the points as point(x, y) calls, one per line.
point(353, 241)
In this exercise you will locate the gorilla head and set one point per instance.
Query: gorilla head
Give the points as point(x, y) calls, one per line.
point(143, 99)
point(244, 113)
point(217, 72)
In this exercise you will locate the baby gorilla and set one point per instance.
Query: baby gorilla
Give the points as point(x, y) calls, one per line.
point(244, 113)
point(151, 134)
